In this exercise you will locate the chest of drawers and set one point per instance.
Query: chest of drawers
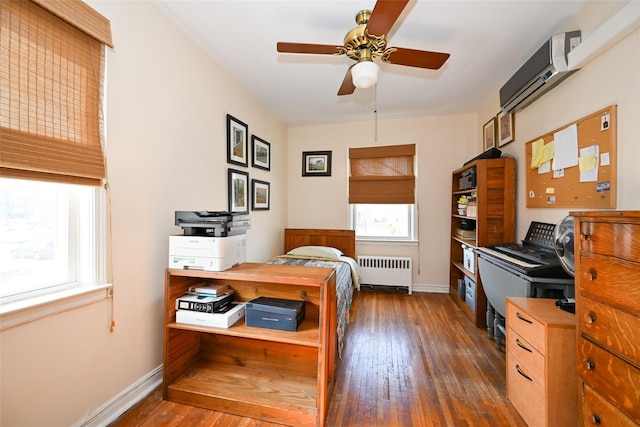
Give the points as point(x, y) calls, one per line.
point(541, 367)
point(607, 252)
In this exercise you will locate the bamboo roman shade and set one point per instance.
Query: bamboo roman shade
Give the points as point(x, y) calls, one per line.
point(51, 90)
point(382, 174)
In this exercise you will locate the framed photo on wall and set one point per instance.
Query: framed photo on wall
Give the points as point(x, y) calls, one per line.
point(237, 137)
point(505, 128)
point(238, 191)
point(261, 195)
point(316, 163)
point(489, 134)
point(261, 153)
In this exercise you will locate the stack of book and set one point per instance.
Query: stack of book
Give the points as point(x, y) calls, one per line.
point(207, 304)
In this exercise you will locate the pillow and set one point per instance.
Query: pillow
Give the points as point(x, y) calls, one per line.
point(317, 251)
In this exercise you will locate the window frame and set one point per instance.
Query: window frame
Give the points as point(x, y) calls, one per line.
point(412, 212)
point(89, 259)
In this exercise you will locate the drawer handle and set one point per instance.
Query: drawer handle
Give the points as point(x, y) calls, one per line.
point(585, 236)
point(591, 275)
point(522, 373)
point(522, 346)
point(589, 364)
point(595, 419)
point(519, 316)
point(591, 317)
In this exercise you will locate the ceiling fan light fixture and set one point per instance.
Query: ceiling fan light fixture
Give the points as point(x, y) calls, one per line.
point(364, 74)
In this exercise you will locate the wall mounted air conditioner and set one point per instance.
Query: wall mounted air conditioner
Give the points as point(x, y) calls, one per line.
point(543, 71)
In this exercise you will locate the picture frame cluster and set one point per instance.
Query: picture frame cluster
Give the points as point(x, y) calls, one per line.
point(498, 131)
point(239, 198)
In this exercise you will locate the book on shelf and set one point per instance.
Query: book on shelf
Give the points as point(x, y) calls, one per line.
point(232, 313)
point(208, 289)
point(466, 234)
point(205, 303)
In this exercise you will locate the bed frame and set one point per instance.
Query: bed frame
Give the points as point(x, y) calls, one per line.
point(345, 240)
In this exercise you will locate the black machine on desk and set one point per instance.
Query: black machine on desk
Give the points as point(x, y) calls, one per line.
point(532, 269)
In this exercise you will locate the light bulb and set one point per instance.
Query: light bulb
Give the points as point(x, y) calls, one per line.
point(364, 74)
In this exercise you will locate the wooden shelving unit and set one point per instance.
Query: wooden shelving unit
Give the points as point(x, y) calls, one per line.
point(278, 376)
point(494, 224)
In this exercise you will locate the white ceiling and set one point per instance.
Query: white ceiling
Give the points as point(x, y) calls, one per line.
point(488, 41)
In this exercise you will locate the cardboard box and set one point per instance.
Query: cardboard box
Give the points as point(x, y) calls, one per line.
point(275, 313)
point(470, 296)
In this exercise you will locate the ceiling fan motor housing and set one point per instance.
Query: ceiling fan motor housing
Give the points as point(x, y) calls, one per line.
point(359, 44)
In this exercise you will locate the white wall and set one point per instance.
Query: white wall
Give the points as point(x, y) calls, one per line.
point(610, 79)
point(166, 129)
point(443, 144)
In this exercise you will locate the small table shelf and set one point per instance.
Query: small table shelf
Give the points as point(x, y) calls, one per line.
point(278, 376)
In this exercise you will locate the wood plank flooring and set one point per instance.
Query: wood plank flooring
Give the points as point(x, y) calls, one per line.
point(409, 361)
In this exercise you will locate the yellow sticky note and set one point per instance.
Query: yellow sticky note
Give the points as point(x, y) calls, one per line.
point(536, 153)
point(550, 190)
point(547, 152)
point(587, 163)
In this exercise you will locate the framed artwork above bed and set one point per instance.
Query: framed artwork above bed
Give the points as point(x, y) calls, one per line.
point(316, 163)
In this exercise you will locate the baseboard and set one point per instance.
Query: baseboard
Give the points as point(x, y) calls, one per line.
point(117, 406)
point(434, 289)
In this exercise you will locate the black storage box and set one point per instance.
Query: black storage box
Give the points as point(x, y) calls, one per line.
point(275, 313)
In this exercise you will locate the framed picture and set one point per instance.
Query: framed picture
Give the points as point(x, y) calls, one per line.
point(316, 163)
point(261, 195)
point(261, 153)
point(237, 137)
point(238, 182)
point(505, 128)
point(489, 134)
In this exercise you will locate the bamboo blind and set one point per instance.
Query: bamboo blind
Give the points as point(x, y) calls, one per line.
point(382, 174)
point(51, 92)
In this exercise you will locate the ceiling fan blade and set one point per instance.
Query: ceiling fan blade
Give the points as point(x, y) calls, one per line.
point(322, 49)
point(347, 86)
point(416, 58)
point(384, 15)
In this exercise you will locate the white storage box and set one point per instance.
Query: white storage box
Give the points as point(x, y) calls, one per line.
point(468, 259)
point(215, 320)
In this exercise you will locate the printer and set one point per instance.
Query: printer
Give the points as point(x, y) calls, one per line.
point(212, 241)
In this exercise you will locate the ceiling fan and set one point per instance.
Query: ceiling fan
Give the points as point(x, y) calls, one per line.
point(368, 41)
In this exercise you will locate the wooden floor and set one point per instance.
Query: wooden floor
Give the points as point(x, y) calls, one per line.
point(409, 361)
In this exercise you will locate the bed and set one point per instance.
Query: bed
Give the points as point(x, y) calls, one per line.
point(326, 248)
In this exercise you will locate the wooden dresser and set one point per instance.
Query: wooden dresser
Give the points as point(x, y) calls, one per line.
point(607, 247)
point(541, 367)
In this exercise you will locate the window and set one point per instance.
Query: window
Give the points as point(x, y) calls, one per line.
point(52, 167)
point(48, 238)
point(382, 192)
point(384, 222)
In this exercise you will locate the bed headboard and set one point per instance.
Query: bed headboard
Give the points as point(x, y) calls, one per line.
point(345, 240)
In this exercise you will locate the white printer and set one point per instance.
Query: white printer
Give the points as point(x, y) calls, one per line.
point(207, 253)
point(213, 241)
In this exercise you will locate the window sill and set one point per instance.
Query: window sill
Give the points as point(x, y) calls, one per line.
point(386, 242)
point(28, 310)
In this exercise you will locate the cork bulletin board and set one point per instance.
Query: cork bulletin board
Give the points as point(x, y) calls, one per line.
point(574, 166)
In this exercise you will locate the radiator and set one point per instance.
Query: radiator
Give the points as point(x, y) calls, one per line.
point(385, 270)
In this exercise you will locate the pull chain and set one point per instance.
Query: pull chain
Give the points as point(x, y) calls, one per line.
point(375, 112)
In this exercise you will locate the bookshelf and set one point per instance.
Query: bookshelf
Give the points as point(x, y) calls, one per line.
point(493, 222)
